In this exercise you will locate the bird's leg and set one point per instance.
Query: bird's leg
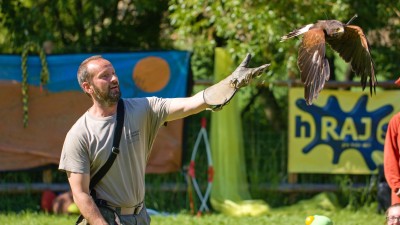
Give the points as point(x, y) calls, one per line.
point(351, 20)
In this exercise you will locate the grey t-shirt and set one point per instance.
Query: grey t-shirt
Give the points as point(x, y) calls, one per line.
point(88, 145)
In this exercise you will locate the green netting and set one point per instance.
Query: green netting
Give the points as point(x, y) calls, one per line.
point(230, 193)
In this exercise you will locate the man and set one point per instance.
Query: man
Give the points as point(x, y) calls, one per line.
point(393, 215)
point(89, 141)
point(391, 154)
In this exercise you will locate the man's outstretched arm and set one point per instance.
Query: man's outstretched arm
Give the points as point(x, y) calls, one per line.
point(217, 95)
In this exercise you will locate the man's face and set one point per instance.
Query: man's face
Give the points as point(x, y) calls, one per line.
point(104, 83)
point(393, 217)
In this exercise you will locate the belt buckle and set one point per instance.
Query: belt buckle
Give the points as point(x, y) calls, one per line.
point(134, 210)
point(138, 208)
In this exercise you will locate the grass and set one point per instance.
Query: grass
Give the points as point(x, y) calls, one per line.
point(34, 218)
point(291, 215)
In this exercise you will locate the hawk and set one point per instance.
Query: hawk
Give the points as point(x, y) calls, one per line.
point(348, 40)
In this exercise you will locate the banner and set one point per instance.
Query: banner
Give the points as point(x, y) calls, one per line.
point(53, 109)
point(343, 132)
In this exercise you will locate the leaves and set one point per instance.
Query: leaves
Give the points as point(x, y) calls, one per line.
point(255, 26)
point(83, 26)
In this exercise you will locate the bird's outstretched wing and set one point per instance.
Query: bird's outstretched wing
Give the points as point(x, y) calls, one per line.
point(314, 67)
point(297, 32)
point(353, 47)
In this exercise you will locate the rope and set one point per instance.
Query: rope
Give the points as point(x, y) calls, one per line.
point(44, 74)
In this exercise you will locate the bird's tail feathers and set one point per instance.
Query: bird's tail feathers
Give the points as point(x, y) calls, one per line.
point(297, 32)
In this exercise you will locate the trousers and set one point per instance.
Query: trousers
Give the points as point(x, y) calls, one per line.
point(142, 218)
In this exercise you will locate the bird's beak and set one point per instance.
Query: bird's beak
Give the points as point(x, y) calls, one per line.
point(337, 32)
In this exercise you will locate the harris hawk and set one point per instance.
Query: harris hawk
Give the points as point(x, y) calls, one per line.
point(348, 40)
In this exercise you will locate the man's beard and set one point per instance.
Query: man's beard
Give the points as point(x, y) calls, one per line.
point(106, 98)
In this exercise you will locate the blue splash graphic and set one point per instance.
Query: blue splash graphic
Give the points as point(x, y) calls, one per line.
point(356, 129)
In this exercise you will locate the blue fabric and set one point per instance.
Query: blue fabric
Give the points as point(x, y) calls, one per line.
point(63, 69)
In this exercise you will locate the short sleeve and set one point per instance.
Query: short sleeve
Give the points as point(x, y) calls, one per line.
point(74, 155)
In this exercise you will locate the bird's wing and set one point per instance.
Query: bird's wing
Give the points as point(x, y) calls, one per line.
point(297, 32)
point(314, 67)
point(353, 47)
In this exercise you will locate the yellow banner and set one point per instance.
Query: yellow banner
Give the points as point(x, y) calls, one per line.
point(343, 132)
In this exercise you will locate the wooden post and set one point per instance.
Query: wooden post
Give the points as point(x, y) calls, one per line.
point(47, 176)
point(292, 178)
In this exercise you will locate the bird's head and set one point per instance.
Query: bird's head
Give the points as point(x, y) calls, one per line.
point(334, 29)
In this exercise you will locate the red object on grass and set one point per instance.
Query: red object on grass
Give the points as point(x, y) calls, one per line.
point(47, 200)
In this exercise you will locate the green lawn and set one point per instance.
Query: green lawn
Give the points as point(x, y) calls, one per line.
point(293, 215)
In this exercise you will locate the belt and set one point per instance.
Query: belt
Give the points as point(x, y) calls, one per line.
point(129, 210)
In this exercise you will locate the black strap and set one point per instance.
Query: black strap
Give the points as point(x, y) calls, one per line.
point(115, 149)
point(114, 152)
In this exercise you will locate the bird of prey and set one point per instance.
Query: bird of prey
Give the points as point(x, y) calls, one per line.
point(348, 40)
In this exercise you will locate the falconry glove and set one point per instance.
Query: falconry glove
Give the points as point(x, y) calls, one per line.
point(222, 92)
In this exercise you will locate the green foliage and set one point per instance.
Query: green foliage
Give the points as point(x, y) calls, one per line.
point(356, 197)
point(19, 202)
point(83, 26)
point(175, 192)
point(243, 26)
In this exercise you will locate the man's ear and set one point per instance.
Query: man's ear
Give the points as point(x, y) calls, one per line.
point(87, 87)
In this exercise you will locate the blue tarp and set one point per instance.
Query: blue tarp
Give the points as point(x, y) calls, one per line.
point(63, 68)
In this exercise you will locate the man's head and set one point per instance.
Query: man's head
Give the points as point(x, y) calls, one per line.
point(97, 78)
point(393, 214)
point(83, 74)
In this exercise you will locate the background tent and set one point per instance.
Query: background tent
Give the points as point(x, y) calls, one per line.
point(53, 110)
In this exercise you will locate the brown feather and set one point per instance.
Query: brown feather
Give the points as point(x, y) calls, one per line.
point(312, 63)
point(353, 47)
point(348, 40)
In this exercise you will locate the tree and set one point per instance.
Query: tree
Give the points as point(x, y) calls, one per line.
point(84, 26)
point(256, 26)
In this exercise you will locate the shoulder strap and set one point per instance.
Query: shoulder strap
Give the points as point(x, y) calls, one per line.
point(115, 149)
